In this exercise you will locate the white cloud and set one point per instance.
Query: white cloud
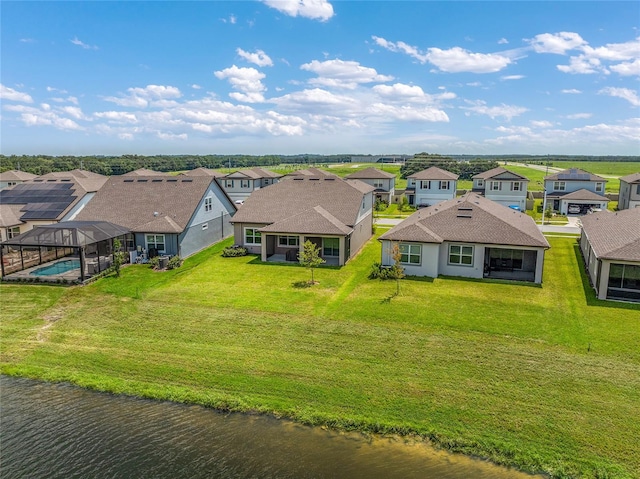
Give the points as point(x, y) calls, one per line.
point(74, 111)
point(541, 124)
point(80, 43)
point(571, 91)
point(624, 93)
point(511, 77)
point(453, 60)
point(195, 86)
point(411, 94)
point(506, 111)
point(7, 93)
point(615, 51)
point(408, 113)
point(627, 68)
point(342, 74)
point(558, 43)
point(27, 40)
point(245, 80)
point(43, 116)
point(117, 116)
point(503, 41)
point(171, 136)
point(582, 64)
point(579, 116)
point(151, 95)
point(258, 57)
point(314, 9)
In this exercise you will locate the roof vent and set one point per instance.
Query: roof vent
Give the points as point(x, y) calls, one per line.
point(156, 180)
point(187, 180)
point(465, 216)
point(155, 213)
point(142, 181)
point(314, 179)
point(465, 208)
point(329, 179)
point(128, 181)
point(172, 180)
point(298, 179)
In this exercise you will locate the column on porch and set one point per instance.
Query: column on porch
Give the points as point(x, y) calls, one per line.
point(539, 265)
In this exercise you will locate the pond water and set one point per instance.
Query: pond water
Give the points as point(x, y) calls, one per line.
point(61, 431)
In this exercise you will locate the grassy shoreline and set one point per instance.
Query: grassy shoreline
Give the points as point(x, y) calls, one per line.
point(543, 379)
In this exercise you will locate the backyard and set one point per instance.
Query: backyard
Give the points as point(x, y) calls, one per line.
point(543, 378)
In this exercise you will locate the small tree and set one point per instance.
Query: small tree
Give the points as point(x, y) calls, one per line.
point(118, 256)
point(396, 271)
point(310, 257)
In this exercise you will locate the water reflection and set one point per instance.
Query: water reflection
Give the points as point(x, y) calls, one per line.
point(60, 431)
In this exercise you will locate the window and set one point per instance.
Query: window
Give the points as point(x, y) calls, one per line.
point(638, 189)
point(599, 187)
point(559, 186)
point(515, 186)
point(624, 276)
point(410, 253)
point(12, 183)
point(378, 183)
point(252, 236)
point(480, 183)
point(244, 183)
point(496, 186)
point(288, 241)
point(228, 183)
point(205, 226)
point(13, 232)
point(208, 205)
point(461, 255)
point(444, 185)
point(425, 185)
point(330, 246)
point(156, 242)
point(506, 258)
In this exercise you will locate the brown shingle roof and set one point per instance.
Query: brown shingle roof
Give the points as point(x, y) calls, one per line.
point(10, 215)
point(203, 172)
point(254, 173)
point(573, 174)
point(145, 172)
point(286, 199)
point(434, 173)
point(312, 171)
point(370, 174)
point(581, 194)
point(485, 175)
point(154, 204)
point(89, 181)
point(469, 219)
point(16, 175)
point(314, 220)
point(632, 178)
point(77, 173)
point(614, 236)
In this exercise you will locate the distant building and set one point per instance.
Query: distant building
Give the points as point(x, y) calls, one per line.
point(14, 177)
point(431, 186)
point(502, 186)
point(383, 182)
point(575, 191)
point(629, 192)
point(240, 184)
point(380, 158)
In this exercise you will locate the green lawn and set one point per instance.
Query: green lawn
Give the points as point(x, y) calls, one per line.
point(544, 378)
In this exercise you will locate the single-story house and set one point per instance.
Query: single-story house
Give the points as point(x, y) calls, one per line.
point(610, 244)
point(14, 177)
point(469, 236)
point(629, 192)
point(335, 214)
point(383, 182)
point(168, 215)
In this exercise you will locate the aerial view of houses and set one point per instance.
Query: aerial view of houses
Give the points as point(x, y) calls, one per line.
point(320, 239)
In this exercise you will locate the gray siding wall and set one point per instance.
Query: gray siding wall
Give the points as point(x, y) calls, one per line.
point(361, 234)
point(571, 186)
point(202, 235)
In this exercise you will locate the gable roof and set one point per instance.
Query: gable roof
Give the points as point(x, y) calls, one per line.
point(89, 181)
point(16, 175)
point(581, 194)
point(152, 204)
point(469, 219)
point(614, 236)
point(503, 173)
point(202, 172)
point(10, 215)
point(370, 174)
point(286, 199)
point(314, 220)
point(254, 173)
point(573, 174)
point(145, 172)
point(434, 173)
point(312, 171)
point(77, 173)
point(632, 178)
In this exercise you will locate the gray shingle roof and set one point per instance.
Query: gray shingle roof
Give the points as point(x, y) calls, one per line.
point(581, 194)
point(298, 196)
point(203, 172)
point(573, 174)
point(312, 171)
point(434, 173)
point(370, 174)
point(506, 174)
point(614, 236)
point(469, 219)
point(254, 173)
point(632, 178)
point(152, 204)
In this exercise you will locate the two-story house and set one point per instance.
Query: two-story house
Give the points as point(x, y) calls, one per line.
point(502, 186)
point(240, 184)
point(575, 191)
point(383, 182)
point(14, 177)
point(629, 192)
point(431, 186)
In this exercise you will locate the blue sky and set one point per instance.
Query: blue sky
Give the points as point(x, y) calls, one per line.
point(317, 76)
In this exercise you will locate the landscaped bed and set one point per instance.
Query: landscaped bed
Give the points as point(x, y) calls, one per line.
point(544, 378)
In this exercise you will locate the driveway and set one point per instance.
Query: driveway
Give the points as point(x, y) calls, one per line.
point(572, 227)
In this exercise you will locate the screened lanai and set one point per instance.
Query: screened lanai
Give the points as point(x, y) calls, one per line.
point(70, 250)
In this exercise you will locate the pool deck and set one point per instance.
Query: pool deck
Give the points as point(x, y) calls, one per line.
point(69, 276)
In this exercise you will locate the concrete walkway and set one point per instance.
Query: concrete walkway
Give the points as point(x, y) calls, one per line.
point(572, 227)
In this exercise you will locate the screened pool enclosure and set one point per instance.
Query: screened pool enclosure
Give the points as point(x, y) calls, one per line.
point(70, 251)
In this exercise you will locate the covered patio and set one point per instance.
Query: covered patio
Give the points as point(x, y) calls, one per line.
point(70, 251)
point(511, 264)
point(285, 248)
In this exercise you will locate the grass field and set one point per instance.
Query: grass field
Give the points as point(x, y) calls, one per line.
point(544, 378)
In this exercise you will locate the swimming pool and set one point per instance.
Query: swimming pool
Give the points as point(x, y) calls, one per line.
point(57, 268)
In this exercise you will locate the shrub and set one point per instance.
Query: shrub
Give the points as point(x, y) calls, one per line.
point(154, 262)
point(174, 262)
point(233, 251)
point(378, 271)
point(381, 205)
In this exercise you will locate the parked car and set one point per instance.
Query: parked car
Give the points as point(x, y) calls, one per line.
point(574, 210)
